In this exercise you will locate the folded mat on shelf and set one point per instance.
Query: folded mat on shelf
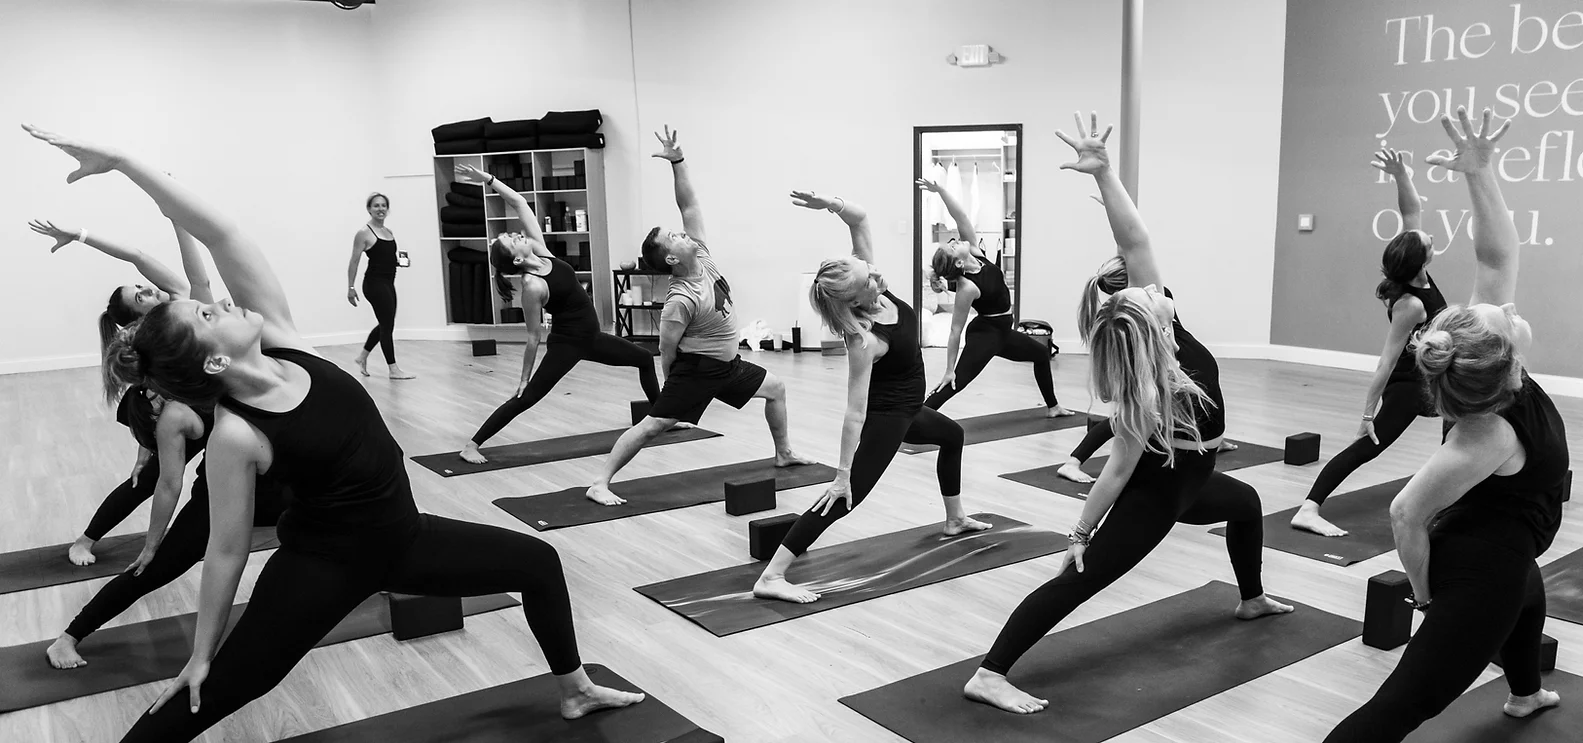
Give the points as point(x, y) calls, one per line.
point(592, 140)
point(461, 215)
point(511, 129)
point(466, 202)
point(462, 230)
point(466, 255)
point(513, 144)
point(467, 189)
point(460, 147)
point(570, 122)
point(457, 130)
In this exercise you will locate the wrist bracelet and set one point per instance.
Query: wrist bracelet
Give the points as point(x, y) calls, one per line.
point(1078, 538)
point(82, 236)
point(833, 210)
point(1367, 417)
point(679, 161)
point(1413, 602)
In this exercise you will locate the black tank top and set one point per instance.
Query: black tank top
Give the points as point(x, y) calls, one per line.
point(346, 472)
point(1521, 510)
point(897, 384)
point(1406, 369)
point(571, 309)
point(381, 257)
point(993, 296)
point(1202, 368)
point(136, 413)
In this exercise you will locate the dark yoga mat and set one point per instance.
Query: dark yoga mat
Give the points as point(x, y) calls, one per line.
point(526, 710)
point(1564, 588)
point(722, 601)
point(156, 650)
point(451, 464)
point(42, 567)
point(1007, 425)
point(1476, 716)
point(570, 507)
point(1113, 674)
point(1044, 478)
point(1365, 514)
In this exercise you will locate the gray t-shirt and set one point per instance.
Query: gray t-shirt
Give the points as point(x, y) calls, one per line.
point(703, 304)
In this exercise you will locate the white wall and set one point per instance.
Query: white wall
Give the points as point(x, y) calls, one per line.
point(264, 106)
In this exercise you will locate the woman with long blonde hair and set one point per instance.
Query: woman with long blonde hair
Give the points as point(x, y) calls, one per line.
point(1169, 420)
point(1472, 523)
point(885, 386)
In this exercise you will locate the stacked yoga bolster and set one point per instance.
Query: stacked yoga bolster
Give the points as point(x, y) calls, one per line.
point(460, 137)
point(469, 283)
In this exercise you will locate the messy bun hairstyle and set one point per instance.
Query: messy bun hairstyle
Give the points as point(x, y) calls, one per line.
point(164, 354)
point(1468, 367)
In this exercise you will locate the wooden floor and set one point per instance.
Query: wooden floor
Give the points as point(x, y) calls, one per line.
point(62, 452)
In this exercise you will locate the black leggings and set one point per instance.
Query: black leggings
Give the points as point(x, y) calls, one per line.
point(182, 548)
point(300, 596)
point(1401, 404)
point(988, 337)
point(559, 358)
point(380, 291)
point(126, 497)
point(1154, 499)
point(1096, 437)
point(1488, 598)
point(882, 436)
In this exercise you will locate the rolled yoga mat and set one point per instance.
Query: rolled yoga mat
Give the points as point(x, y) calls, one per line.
point(722, 601)
point(1044, 478)
point(451, 464)
point(526, 710)
point(1112, 674)
point(1007, 425)
point(156, 650)
point(1365, 514)
point(570, 507)
point(1564, 588)
point(1476, 716)
point(42, 567)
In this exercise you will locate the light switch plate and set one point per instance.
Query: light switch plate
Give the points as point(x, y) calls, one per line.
point(1305, 223)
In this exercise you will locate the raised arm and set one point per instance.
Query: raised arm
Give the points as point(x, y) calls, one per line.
point(241, 263)
point(1396, 164)
point(964, 223)
point(514, 201)
point(157, 273)
point(1495, 241)
point(1126, 225)
point(192, 265)
point(686, 198)
point(855, 217)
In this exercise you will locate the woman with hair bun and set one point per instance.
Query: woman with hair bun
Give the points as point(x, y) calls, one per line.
point(1472, 523)
point(1395, 397)
point(885, 386)
point(379, 283)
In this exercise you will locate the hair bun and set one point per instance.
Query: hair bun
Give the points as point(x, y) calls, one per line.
point(1435, 351)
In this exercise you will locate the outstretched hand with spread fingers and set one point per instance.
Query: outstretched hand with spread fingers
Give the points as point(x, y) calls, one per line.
point(1092, 157)
point(807, 200)
point(1393, 162)
point(1474, 150)
point(669, 150)
point(928, 185)
point(472, 174)
point(46, 228)
point(92, 159)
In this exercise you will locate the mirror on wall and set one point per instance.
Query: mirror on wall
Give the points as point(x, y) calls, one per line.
point(979, 165)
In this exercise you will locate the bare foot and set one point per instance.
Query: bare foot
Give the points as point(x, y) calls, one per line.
point(994, 690)
point(1057, 412)
point(396, 372)
point(682, 426)
point(601, 494)
point(81, 552)
point(1307, 518)
point(63, 653)
point(964, 525)
point(777, 588)
point(1525, 706)
point(595, 698)
point(1229, 445)
point(789, 458)
point(1261, 606)
point(362, 364)
point(1074, 473)
point(472, 454)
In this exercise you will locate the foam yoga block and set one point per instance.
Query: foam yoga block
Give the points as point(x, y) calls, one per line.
point(1387, 619)
point(1566, 488)
point(640, 410)
point(745, 495)
point(1547, 653)
point(484, 347)
point(1302, 448)
point(412, 617)
point(765, 535)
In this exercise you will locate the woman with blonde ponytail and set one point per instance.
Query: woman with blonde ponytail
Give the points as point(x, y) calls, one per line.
point(1169, 420)
point(1472, 523)
point(885, 386)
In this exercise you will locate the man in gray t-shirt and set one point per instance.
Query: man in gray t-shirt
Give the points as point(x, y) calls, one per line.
point(698, 340)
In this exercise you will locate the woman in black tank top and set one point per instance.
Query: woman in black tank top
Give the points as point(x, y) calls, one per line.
point(1161, 471)
point(379, 283)
point(1394, 398)
point(1470, 551)
point(885, 385)
point(981, 287)
point(351, 528)
point(549, 286)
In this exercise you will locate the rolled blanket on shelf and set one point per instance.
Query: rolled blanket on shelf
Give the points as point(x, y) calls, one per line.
point(461, 215)
point(460, 147)
point(467, 255)
point(460, 130)
point(511, 129)
point(570, 122)
point(463, 230)
point(593, 140)
point(465, 202)
point(511, 145)
point(467, 189)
